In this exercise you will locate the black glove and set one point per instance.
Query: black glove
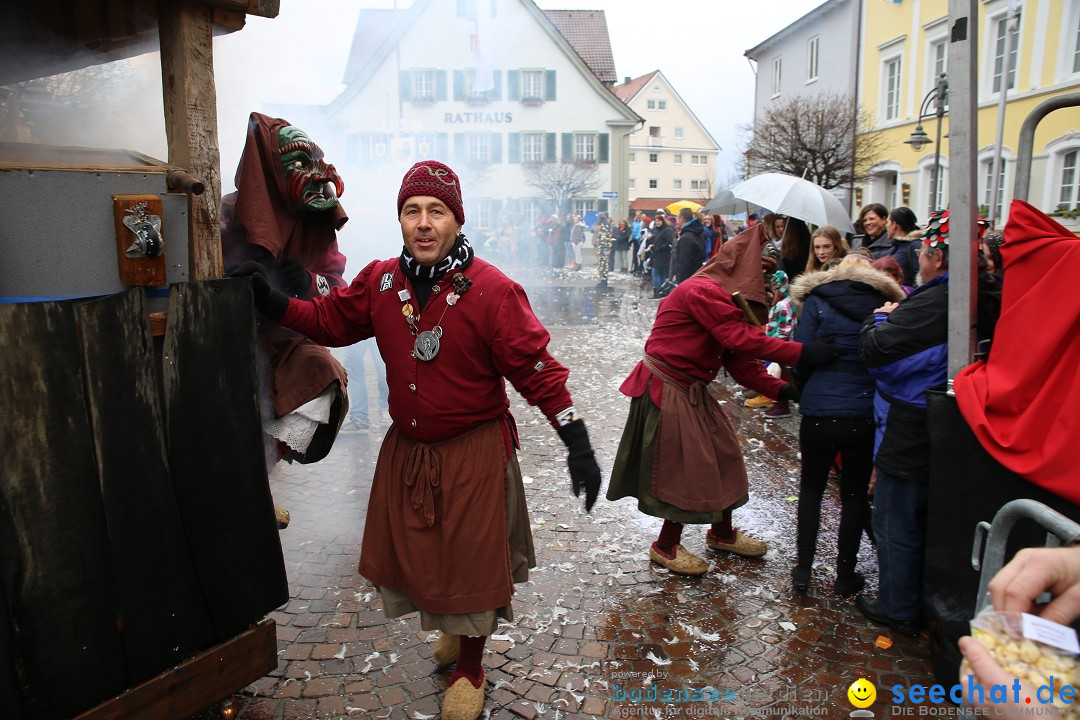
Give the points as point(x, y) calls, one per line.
point(789, 393)
point(818, 353)
point(293, 277)
point(584, 472)
point(269, 302)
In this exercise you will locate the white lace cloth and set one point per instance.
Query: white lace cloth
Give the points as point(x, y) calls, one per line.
point(296, 428)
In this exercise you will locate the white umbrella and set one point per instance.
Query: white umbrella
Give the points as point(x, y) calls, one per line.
point(795, 197)
point(724, 203)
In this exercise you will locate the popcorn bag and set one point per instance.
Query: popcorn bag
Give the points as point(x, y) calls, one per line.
point(1038, 651)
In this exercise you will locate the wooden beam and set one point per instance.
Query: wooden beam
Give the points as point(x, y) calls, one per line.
point(204, 679)
point(190, 95)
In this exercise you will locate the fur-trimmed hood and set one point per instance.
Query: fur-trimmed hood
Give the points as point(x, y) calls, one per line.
point(861, 273)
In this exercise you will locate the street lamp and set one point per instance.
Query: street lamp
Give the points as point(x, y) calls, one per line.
point(919, 138)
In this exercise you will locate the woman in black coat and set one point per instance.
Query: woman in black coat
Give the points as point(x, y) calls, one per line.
point(621, 238)
point(837, 408)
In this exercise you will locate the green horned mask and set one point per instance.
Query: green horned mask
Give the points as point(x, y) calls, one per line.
point(312, 185)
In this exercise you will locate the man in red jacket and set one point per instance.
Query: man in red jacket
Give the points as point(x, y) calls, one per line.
point(447, 531)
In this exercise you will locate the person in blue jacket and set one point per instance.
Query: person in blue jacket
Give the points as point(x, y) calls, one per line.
point(837, 410)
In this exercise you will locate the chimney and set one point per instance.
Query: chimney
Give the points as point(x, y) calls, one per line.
point(627, 80)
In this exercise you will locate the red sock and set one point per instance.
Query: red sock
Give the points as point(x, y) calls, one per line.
point(723, 531)
point(468, 664)
point(670, 535)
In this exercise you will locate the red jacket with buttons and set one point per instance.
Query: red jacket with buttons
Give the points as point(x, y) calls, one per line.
point(491, 333)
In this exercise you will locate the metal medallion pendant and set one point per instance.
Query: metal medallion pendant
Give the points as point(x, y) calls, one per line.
point(426, 345)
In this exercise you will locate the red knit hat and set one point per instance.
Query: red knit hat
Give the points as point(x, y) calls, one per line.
point(432, 178)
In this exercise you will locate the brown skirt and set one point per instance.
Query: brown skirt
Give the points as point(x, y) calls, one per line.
point(447, 526)
point(632, 474)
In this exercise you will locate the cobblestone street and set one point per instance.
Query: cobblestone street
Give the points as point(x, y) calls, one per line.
point(597, 619)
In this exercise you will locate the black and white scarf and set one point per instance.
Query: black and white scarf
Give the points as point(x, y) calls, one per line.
point(459, 258)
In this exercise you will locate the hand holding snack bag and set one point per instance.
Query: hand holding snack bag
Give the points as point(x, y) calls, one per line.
point(1033, 656)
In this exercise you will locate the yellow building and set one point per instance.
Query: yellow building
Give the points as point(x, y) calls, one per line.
point(904, 49)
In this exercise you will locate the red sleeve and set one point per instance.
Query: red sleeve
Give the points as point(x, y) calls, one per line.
point(330, 267)
point(341, 318)
point(749, 372)
point(519, 350)
point(725, 322)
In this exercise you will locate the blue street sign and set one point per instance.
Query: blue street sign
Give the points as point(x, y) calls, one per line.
point(609, 194)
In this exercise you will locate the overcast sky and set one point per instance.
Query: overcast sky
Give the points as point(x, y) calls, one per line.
point(299, 57)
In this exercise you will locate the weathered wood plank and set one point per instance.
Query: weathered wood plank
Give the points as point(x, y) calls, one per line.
point(216, 450)
point(190, 96)
point(205, 679)
point(63, 600)
point(160, 606)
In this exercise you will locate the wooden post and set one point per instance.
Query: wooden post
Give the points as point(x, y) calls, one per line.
point(187, 74)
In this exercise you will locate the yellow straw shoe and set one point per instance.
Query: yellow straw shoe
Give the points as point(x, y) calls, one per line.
point(684, 562)
point(446, 650)
point(744, 545)
point(757, 402)
point(463, 701)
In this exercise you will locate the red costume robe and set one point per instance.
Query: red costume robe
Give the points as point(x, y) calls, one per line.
point(436, 523)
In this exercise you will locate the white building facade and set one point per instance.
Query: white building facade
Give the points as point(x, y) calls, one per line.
point(817, 54)
point(672, 156)
point(492, 88)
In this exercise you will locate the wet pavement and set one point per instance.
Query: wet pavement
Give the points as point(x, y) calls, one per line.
point(599, 631)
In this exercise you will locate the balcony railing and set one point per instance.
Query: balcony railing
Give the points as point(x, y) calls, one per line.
point(656, 141)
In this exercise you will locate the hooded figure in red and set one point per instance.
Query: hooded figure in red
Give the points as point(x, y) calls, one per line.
point(1021, 403)
point(285, 216)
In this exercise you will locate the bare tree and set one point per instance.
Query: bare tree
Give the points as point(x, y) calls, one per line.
point(818, 137)
point(562, 182)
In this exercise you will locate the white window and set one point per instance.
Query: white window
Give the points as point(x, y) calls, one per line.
point(423, 84)
point(633, 183)
point(699, 184)
point(479, 148)
point(633, 157)
point(583, 206)
point(812, 52)
point(479, 212)
point(1076, 44)
point(653, 183)
point(935, 197)
point(532, 147)
point(678, 159)
point(678, 133)
point(678, 184)
point(987, 178)
point(998, 48)
point(532, 84)
point(584, 147)
point(654, 158)
point(939, 59)
point(699, 159)
point(890, 83)
point(661, 105)
point(777, 71)
point(1068, 195)
point(650, 104)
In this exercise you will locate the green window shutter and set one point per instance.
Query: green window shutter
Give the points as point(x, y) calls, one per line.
point(549, 85)
point(602, 205)
point(459, 84)
point(568, 147)
point(549, 147)
point(461, 147)
point(495, 93)
point(513, 147)
point(406, 84)
point(440, 84)
point(513, 85)
point(495, 147)
point(442, 147)
point(602, 148)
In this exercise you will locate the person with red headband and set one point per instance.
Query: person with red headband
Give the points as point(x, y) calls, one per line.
point(447, 531)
